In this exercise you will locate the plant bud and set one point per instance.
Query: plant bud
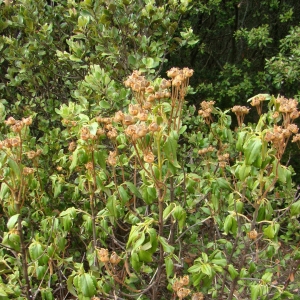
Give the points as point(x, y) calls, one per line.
point(252, 234)
point(103, 255)
point(27, 121)
point(114, 258)
point(148, 157)
point(153, 127)
point(10, 121)
point(182, 293)
point(72, 146)
point(28, 171)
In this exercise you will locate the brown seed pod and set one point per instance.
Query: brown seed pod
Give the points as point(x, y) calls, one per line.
point(197, 296)
point(114, 258)
point(185, 280)
point(252, 234)
point(148, 157)
point(103, 255)
point(183, 292)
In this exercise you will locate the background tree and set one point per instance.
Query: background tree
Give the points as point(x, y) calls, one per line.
point(235, 39)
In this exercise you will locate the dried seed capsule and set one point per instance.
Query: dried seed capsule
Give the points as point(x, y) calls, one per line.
point(252, 234)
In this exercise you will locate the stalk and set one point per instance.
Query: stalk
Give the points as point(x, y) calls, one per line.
point(92, 206)
point(23, 253)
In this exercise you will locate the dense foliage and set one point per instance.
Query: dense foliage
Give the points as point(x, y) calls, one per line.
point(117, 182)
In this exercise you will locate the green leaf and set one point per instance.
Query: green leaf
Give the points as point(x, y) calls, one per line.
point(219, 262)
point(228, 223)
point(135, 261)
point(67, 222)
point(40, 272)
point(243, 273)
point(104, 104)
point(132, 60)
point(14, 166)
point(149, 194)
point(240, 141)
point(232, 271)
point(123, 195)
point(87, 285)
point(167, 248)
point(71, 211)
point(267, 277)
point(132, 235)
point(12, 240)
point(269, 232)
point(149, 62)
point(255, 291)
point(244, 171)
point(204, 257)
point(100, 158)
point(74, 160)
point(139, 240)
point(3, 293)
point(146, 246)
point(168, 210)
point(179, 214)
point(195, 269)
point(295, 208)
point(252, 149)
point(4, 190)
point(112, 206)
point(282, 172)
point(153, 239)
point(145, 256)
point(206, 269)
point(252, 267)
point(169, 266)
point(223, 183)
point(57, 189)
point(35, 250)
point(133, 189)
point(12, 221)
point(170, 149)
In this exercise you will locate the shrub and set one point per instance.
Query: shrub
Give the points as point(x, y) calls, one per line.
point(141, 206)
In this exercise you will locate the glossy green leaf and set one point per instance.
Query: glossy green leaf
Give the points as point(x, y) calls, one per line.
point(195, 268)
point(104, 104)
point(267, 277)
point(219, 262)
point(135, 261)
point(295, 208)
point(255, 291)
point(12, 221)
point(168, 210)
point(35, 250)
point(232, 271)
point(269, 232)
point(144, 256)
point(223, 183)
point(87, 285)
point(133, 189)
point(228, 223)
point(252, 149)
point(40, 271)
point(170, 148)
point(206, 269)
point(169, 266)
point(140, 238)
point(244, 171)
point(167, 248)
point(124, 197)
point(14, 167)
point(204, 257)
point(240, 140)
